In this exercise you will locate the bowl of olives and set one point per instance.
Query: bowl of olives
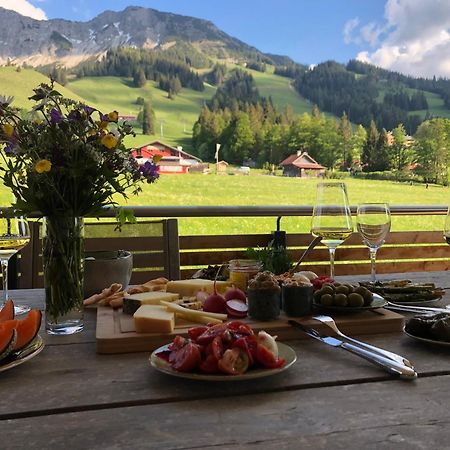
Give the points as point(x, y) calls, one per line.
point(345, 297)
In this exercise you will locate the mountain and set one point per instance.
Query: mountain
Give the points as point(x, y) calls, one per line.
point(44, 42)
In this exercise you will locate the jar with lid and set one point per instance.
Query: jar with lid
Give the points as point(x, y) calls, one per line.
point(242, 270)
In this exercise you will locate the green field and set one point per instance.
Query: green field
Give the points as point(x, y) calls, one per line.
point(259, 189)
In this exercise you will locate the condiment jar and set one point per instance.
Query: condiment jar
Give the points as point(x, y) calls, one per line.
point(297, 299)
point(242, 270)
point(263, 297)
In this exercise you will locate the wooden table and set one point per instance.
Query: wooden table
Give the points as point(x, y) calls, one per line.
point(70, 397)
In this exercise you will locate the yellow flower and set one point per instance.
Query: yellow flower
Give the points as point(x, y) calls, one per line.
point(113, 116)
point(8, 129)
point(109, 141)
point(157, 158)
point(43, 165)
point(103, 124)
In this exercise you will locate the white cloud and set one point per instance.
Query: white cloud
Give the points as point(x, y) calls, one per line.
point(349, 27)
point(414, 39)
point(25, 8)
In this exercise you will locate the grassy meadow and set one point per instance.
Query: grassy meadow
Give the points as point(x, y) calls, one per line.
point(259, 189)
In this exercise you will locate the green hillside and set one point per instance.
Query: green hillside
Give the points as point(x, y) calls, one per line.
point(20, 85)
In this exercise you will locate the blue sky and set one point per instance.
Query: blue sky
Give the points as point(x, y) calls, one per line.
point(411, 36)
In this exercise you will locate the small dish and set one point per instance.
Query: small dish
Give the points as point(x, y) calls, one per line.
point(30, 351)
point(163, 366)
point(377, 302)
point(431, 302)
point(427, 340)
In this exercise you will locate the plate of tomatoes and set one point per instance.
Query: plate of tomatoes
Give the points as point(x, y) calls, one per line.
point(229, 351)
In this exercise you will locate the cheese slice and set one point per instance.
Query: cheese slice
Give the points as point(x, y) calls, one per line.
point(131, 303)
point(154, 319)
point(189, 288)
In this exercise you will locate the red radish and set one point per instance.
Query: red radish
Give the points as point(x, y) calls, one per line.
point(236, 308)
point(235, 293)
point(215, 302)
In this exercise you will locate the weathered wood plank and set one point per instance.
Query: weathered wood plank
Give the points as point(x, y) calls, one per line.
point(376, 415)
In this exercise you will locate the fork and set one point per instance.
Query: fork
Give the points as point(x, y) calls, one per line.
point(327, 320)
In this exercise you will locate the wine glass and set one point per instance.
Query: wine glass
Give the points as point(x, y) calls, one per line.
point(331, 219)
point(447, 227)
point(373, 222)
point(14, 235)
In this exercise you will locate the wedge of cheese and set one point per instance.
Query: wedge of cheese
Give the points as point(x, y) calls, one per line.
point(189, 288)
point(133, 302)
point(154, 319)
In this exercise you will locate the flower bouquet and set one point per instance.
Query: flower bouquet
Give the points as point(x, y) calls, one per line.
point(66, 161)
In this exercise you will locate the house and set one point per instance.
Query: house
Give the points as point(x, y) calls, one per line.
point(173, 159)
point(301, 165)
point(222, 167)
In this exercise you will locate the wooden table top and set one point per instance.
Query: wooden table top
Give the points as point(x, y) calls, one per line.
point(70, 396)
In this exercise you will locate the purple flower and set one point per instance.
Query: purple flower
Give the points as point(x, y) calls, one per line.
point(9, 149)
point(89, 110)
point(74, 115)
point(104, 117)
point(55, 116)
point(150, 171)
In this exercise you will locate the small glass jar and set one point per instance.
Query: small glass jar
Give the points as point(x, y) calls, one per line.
point(297, 300)
point(263, 304)
point(242, 270)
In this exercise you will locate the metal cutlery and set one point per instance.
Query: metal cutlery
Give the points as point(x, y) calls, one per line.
point(310, 248)
point(389, 365)
point(416, 309)
point(327, 320)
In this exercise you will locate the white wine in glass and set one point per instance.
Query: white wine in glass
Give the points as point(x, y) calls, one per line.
point(447, 227)
point(373, 221)
point(14, 235)
point(332, 219)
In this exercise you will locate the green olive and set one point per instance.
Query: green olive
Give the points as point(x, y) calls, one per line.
point(368, 298)
point(350, 288)
point(361, 290)
point(326, 300)
point(327, 289)
point(340, 300)
point(342, 289)
point(355, 300)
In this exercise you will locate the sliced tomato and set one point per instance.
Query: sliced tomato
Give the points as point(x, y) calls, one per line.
point(178, 342)
point(248, 344)
point(209, 365)
point(239, 327)
point(234, 361)
point(267, 359)
point(217, 347)
point(186, 358)
point(195, 332)
point(208, 335)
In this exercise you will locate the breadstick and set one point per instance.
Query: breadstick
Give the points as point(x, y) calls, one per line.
point(107, 292)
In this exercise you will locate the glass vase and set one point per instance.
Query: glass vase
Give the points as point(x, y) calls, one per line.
point(63, 260)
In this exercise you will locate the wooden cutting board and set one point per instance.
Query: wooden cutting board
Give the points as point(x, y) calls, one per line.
point(115, 330)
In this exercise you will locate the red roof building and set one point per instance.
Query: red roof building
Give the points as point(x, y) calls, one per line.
point(173, 159)
point(301, 165)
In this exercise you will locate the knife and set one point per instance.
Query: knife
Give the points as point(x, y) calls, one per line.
point(391, 366)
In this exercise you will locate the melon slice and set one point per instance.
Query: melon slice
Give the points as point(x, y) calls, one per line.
point(28, 328)
point(8, 339)
point(7, 312)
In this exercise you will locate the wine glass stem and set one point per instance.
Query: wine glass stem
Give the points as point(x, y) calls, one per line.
point(4, 262)
point(332, 252)
point(373, 259)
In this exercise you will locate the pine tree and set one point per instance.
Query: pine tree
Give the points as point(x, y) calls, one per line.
point(368, 155)
point(139, 79)
point(381, 161)
point(148, 120)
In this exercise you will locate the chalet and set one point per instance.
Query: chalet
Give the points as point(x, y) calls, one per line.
point(173, 159)
point(301, 165)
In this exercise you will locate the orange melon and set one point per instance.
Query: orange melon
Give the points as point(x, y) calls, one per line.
point(7, 312)
point(8, 339)
point(28, 328)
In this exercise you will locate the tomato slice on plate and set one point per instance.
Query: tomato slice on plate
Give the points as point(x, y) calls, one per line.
point(195, 332)
point(186, 358)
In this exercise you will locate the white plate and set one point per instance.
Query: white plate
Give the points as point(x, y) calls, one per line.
point(30, 351)
point(284, 351)
point(426, 340)
point(432, 302)
point(377, 302)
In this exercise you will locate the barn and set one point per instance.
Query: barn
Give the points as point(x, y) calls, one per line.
point(302, 165)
